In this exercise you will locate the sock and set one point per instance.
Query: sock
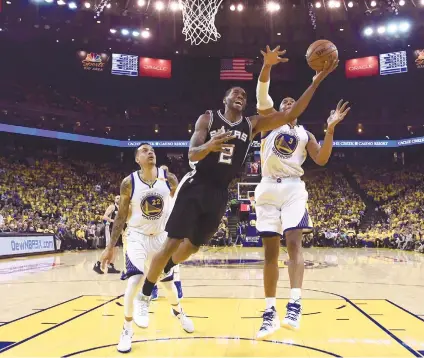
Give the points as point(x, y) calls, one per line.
point(177, 273)
point(111, 265)
point(295, 295)
point(270, 302)
point(169, 266)
point(148, 287)
point(98, 263)
point(127, 325)
point(172, 295)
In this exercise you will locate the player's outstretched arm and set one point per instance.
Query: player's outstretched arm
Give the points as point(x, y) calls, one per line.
point(264, 102)
point(119, 223)
point(321, 155)
point(198, 148)
point(277, 119)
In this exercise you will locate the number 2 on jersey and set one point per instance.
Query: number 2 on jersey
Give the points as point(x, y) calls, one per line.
point(227, 156)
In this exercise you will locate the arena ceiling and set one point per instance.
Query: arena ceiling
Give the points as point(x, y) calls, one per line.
point(295, 25)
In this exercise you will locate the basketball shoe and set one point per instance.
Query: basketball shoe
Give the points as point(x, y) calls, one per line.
point(141, 311)
point(185, 322)
point(155, 293)
point(111, 269)
point(270, 324)
point(97, 268)
point(124, 345)
point(293, 315)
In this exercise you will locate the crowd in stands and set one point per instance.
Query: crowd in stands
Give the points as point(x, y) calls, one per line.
point(44, 193)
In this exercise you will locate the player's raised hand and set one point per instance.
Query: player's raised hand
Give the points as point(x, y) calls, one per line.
point(336, 116)
point(329, 66)
point(272, 57)
point(218, 143)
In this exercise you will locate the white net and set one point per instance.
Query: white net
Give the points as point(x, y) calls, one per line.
point(199, 20)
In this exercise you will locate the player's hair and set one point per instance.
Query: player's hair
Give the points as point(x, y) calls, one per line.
point(136, 149)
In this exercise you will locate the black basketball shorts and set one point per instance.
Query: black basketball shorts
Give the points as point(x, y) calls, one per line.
point(198, 210)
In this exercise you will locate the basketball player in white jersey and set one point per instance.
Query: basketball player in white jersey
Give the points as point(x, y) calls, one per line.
point(177, 280)
point(281, 197)
point(109, 217)
point(144, 207)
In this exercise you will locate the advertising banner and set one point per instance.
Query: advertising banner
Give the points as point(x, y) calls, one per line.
point(362, 67)
point(155, 67)
point(20, 244)
point(419, 58)
point(93, 61)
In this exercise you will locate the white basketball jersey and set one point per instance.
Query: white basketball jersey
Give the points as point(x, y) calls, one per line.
point(150, 204)
point(283, 152)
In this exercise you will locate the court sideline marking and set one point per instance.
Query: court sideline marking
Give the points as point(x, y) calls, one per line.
point(60, 324)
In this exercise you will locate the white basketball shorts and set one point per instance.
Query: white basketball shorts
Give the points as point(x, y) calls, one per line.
point(139, 250)
point(281, 205)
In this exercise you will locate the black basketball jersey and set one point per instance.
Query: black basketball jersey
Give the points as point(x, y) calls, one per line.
point(113, 215)
point(221, 168)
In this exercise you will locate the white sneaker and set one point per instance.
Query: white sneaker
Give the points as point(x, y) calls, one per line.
point(141, 311)
point(124, 345)
point(270, 324)
point(186, 322)
point(293, 315)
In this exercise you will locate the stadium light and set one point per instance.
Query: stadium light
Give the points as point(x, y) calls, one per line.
point(174, 6)
point(72, 5)
point(48, 1)
point(368, 31)
point(404, 26)
point(318, 5)
point(373, 3)
point(159, 5)
point(334, 4)
point(337, 4)
point(145, 34)
point(124, 32)
point(141, 3)
point(112, 31)
point(240, 7)
point(87, 5)
point(401, 2)
point(422, 2)
point(135, 33)
point(156, 128)
point(272, 6)
point(381, 30)
point(108, 6)
point(392, 28)
point(350, 4)
point(233, 7)
point(61, 2)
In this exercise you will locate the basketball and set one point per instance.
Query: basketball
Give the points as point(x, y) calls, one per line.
point(319, 52)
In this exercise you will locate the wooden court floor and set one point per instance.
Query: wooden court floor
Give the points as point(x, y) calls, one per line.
point(356, 303)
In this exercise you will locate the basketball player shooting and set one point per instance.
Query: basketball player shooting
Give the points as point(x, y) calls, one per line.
point(281, 197)
point(109, 216)
point(144, 205)
point(219, 145)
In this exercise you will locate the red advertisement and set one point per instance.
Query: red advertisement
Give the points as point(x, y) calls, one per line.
point(362, 67)
point(155, 67)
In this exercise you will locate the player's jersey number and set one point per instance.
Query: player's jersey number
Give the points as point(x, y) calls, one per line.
point(227, 156)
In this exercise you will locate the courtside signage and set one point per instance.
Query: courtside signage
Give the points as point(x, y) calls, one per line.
point(17, 245)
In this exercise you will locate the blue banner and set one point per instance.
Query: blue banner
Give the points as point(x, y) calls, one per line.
point(185, 143)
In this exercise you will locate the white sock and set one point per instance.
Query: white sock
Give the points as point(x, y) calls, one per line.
point(177, 273)
point(295, 295)
point(270, 302)
point(172, 295)
point(127, 325)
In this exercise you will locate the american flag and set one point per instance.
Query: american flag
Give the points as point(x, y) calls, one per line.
point(235, 69)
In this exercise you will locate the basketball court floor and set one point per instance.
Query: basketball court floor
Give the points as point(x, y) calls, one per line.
point(356, 303)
